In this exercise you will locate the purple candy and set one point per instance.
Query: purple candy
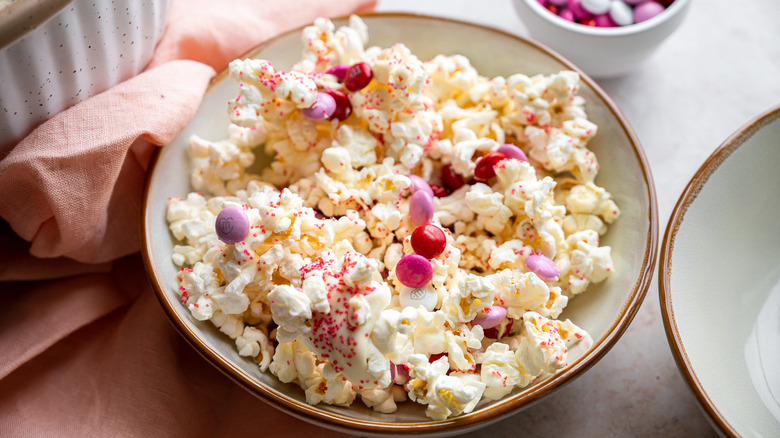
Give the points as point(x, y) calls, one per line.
point(512, 151)
point(420, 184)
point(542, 266)
point(232, 225)
point(491, 317)
point(420, 208)
point(323, 107)
point(414, 270)
point(339, 71)
point(580, 13)
point(647, 10)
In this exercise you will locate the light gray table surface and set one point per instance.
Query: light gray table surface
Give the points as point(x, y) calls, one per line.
point(718, 71)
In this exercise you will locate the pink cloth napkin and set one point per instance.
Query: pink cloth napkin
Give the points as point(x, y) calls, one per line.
point(87, 349)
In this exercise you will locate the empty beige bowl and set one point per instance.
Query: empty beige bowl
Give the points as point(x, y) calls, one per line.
point(605, 311)
point(720, 281)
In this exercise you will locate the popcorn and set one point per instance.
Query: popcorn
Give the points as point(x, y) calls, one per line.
point(311, 292)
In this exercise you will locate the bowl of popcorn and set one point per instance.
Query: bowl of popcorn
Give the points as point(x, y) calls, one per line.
point(719, 282)
point(392, 224)
point(605, 38)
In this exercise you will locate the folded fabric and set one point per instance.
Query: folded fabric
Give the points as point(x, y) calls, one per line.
point(87, 349)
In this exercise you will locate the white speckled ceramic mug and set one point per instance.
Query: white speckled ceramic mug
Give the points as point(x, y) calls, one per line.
point(56, 53)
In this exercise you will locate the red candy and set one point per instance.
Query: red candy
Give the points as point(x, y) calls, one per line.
point(428, 241)
point(439, 191)
point(343, 105)
point(484, 170)
point(451, 180)
point(358, 76)
point(496, 333)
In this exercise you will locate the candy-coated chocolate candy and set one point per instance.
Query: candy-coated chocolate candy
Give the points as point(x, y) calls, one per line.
point(484, 169)
point(418, 296)
point(436, 356)
point(428, 240)
point(420, 208)
point(450, 178)
point(232, 225)
point(339, 71)
point(552, 8)
point(633, 2)
point(557, 2)
point(596, 7)
point(604, 20)
point(490, 317)
point(621, 13)
point(420, 184)
point(647, 10)
point(414, 270)
point(439, 191)
point(567, 15)
point(322, 109)
point(496, 332)
point(542, 266)
point(575, 6)
point(399, 374)
point(588, 22)
point(343, 105)
point(666, 2)
point(358, 76)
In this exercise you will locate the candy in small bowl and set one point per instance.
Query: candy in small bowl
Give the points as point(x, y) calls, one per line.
point(605, 38)
point(399, 259)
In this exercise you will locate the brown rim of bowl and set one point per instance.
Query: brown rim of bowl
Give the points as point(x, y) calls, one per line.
point(691, 192)
point(501, 408)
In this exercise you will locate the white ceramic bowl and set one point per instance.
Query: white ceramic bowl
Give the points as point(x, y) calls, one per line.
point(56, 53)
point(720, 281)
point(601, 52)
point(604, 311)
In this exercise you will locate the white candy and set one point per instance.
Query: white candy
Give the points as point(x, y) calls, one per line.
point(621, 13)
point(596, 7)
point(420, 296)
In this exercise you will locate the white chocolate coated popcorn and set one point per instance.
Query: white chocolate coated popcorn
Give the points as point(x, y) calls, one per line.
point(313, 292)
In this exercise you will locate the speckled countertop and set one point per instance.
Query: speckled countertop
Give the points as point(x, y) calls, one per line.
point(719, 70)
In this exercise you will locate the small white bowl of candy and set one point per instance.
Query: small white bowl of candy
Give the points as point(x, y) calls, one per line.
point(605, 38)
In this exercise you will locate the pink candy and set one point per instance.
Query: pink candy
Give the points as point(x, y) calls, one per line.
point(232, 225)
point(542, 266)
point(647, 10)
point(420, 184)
point(413, 270)
point(490, 317)
point(421, 207)
point(512, 151)
point(323, 107)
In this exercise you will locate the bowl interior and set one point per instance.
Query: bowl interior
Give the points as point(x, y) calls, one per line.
point(604, 311)
point(721, 282)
